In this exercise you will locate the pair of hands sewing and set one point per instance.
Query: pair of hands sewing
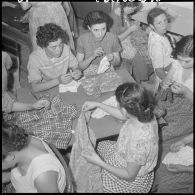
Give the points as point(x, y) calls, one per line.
point(176, 87)
point(177, 167)
point(100, 52)
point(67, 78)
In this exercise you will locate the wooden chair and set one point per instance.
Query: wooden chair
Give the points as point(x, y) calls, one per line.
point(69, 188)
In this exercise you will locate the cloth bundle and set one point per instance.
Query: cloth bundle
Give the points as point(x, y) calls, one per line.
point(183, 157)
point(105, 82)
point(87, 177)
point(53, 124)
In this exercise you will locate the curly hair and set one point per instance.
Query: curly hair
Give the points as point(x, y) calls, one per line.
point(137, 5)
point(49, 33)
point(14, 138)
point(97, 17)
point(184, 47)
point(136, 100)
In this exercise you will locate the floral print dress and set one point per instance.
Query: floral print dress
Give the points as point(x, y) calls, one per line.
point(137, 143)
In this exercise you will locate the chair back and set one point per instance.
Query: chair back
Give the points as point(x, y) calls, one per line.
point(69, 184)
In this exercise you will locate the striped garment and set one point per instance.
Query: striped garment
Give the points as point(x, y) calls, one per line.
point(42, 68)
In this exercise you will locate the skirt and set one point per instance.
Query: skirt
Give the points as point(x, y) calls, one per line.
point(111, 183)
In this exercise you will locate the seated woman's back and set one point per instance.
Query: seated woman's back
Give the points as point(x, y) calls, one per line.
point(36, 168)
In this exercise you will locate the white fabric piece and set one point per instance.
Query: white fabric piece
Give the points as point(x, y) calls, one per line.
point(99, 113)
point(72, 87)
point(183, 157)
point(104, 65)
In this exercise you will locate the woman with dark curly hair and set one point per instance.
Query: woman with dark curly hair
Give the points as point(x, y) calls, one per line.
point(34, 167)
point(97, 43)
point(128, 164)
point(48, 65)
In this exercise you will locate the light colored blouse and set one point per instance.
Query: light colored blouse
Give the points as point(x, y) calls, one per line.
point(39, 165)
point(177, 70)
point(42, 68)
point(138, 143)
point(159, 50)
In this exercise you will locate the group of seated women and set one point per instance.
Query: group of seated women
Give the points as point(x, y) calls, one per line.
point(132, 164)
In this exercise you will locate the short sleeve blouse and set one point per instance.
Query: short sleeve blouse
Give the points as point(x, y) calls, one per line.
point(159, 49)
point(86, 45)
point(138, 143)
point(42, 68)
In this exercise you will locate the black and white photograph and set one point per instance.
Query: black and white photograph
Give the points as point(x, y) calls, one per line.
point(97, 96)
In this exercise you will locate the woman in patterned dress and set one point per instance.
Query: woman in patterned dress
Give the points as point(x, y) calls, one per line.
point(40, 13)
point(134, 40)
point(128, 164)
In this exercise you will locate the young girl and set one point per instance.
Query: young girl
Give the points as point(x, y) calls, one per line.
point(127, 165)
point(179, 116)
point(159, 45)
point(97, 43)
point(35, 168)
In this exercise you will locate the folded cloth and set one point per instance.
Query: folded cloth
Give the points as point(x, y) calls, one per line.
point(104, 65)
point(72, 87)
point(99, 113)
point(183, 157)
point(107, 81)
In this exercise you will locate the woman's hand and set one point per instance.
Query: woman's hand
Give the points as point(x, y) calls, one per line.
point(98, 52)
point(92, 157)
point(65, 78)
point(43, 103)
point(176, 168)
point(89, 106)
point(76, 74)
point(178, 88)
point(132, 28)
point(110, 57)
point(177, 146)
point(166, 83)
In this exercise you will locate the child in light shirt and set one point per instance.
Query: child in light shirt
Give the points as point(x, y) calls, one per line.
point(159, 45)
